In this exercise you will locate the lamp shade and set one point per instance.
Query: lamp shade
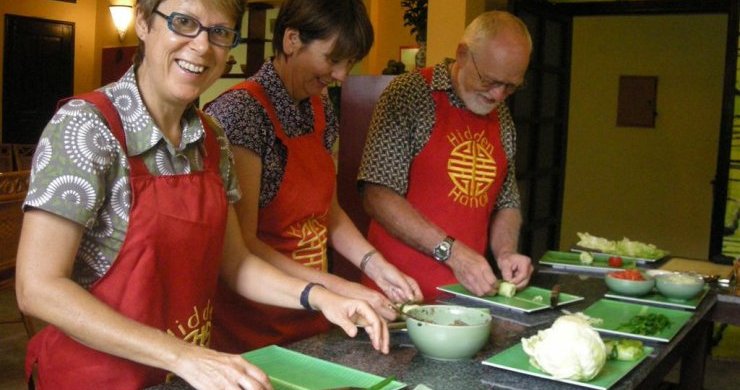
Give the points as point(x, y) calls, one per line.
point(122, 15)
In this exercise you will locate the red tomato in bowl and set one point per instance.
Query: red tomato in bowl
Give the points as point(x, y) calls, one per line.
point(615, 261)
point(628, 274)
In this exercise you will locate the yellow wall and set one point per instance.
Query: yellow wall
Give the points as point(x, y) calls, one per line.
point(390, 34)
point(649, 184)
point(93, 31)
point(446, 24)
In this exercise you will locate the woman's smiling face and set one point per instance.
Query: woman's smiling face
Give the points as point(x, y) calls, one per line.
point(175, 68)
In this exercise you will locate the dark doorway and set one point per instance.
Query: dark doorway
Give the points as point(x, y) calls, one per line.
point(38, 71)
point(541, 115)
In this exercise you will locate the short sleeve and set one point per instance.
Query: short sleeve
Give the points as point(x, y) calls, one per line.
point(399, 128)
point(75, 165)
point(509, 195)
point(226, 163)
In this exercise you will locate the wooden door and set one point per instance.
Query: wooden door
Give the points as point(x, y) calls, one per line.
point(540, 112)
point(37, 71)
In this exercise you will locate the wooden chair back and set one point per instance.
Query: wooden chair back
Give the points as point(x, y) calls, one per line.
point(23, 156)
point(6, 157)
point(13, 189)
point(358, 97)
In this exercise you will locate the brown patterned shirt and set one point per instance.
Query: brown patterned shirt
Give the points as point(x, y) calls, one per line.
point(402, 124)
point(246, 124)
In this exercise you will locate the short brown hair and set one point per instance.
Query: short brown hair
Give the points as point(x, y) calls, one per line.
point(233, 8)
point(322, 19)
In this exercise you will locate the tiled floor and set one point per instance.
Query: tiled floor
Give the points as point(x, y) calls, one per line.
point(721, 374)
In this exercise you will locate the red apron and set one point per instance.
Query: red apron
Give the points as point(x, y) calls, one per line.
point(454, 183)
point(164, 276)
point(295, 224)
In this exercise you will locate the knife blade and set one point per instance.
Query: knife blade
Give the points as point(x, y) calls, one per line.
point(554, 295)
point(382, 383)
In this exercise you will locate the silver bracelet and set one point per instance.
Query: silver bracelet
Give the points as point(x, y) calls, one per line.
point(366, 258)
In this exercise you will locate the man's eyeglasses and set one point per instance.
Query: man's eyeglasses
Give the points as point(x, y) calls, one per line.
point(188, 26)
point(494, 84)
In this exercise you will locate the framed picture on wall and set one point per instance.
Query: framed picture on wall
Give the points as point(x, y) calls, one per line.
point(68, 1)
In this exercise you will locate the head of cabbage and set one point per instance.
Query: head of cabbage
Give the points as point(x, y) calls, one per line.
point(569, 349)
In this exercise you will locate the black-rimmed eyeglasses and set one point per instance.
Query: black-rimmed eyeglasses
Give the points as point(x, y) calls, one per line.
point(188, 26)
point(495, 84)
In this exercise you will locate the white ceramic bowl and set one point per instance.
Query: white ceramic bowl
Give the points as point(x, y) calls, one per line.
point(679, 286)
point(448, 332)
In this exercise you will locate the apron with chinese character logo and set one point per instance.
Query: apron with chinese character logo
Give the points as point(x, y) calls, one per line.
point(295, 224)
point(164, 276)
point(454, 183)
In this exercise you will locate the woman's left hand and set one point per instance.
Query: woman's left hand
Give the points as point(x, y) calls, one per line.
point(351, 313)
point(396, 285)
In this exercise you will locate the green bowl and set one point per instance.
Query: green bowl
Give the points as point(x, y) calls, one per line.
point(448, 332)
point(633, 288)
point(679, 286)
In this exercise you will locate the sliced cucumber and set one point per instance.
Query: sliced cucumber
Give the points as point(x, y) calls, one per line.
point(507, 289)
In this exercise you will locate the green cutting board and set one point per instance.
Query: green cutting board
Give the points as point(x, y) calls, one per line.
point(572, 261)
point(656, 298)
point(290, 370)
point(529, 300)
point(615, 313)
point(515, 359)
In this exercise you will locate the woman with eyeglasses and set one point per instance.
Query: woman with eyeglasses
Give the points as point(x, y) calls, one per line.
point(128, 224)
point(282, 127)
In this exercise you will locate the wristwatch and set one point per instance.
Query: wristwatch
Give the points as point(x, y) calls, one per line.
point(443, 250)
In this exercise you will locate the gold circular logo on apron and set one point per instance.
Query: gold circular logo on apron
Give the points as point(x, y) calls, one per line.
point(471, 168)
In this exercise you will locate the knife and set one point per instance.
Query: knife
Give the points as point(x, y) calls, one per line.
point(382, 383)
point(554, 295)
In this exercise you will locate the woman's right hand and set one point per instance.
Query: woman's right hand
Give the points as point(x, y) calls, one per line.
point(207, 369)
point(379, 302)
point(350, 314)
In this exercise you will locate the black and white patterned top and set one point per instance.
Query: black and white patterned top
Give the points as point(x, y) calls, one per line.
point(246, 124)
point(402, 125)
point(81, 173)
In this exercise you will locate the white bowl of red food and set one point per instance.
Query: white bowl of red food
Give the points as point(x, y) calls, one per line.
point(631, 282)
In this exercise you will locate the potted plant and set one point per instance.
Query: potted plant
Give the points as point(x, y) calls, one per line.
point(415, 16)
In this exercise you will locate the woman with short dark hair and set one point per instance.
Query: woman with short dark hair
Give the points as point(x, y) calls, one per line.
point(282, 127)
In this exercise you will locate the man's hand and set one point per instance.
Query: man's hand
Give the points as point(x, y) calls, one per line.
point(515, 268)
point(472, 270)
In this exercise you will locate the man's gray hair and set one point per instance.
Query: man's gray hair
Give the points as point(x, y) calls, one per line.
point(488, 24)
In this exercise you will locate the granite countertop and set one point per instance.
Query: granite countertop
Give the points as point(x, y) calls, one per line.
point(508, 327)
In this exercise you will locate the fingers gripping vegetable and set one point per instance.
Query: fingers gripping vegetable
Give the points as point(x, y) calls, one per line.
point(569, 349)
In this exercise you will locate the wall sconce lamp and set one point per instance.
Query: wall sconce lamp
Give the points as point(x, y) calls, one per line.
point(122, 15)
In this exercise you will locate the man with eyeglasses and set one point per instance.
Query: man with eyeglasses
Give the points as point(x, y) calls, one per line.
point(437, 175)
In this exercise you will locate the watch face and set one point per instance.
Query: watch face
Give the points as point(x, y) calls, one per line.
point(442, 251)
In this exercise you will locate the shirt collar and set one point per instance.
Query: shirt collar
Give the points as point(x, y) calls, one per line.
point(442, 81)
point(142, 133)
